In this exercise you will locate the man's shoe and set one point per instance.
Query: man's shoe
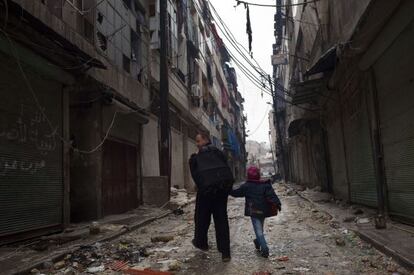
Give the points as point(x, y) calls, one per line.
point(225, 258)
point(256, 244)
point(264, 254)
point(203, 248)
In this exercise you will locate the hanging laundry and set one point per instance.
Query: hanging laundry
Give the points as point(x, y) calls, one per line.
point(249, 28)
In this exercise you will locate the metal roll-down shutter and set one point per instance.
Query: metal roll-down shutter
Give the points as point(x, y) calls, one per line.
point(31, 178)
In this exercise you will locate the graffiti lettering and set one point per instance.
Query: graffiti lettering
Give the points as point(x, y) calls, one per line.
point(8, 166)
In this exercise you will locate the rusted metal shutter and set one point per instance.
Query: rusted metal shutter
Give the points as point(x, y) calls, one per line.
point(119, 181)
point(395, 87)
point(359, 152)
point(31, 175)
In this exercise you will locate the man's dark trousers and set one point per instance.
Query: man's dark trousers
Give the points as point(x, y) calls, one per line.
point(216, 206)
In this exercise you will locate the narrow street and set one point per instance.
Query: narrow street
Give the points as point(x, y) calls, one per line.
point(302, 240)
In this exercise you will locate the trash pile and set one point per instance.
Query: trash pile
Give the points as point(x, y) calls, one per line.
point(124, 255)
point(180, 198)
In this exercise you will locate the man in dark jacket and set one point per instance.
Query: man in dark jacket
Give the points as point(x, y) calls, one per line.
point(261, 202)
point(210, 173)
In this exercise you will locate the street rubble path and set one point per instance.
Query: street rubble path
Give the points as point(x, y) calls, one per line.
point(302, 240)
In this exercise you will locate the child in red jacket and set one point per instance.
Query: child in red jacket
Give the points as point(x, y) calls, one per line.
point(261, 202)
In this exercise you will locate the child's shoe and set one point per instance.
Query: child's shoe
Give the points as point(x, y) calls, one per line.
point(264, 253)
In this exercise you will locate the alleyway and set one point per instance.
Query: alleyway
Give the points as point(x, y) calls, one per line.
point(308, 240)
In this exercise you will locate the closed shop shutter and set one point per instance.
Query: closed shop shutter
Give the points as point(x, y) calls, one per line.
point(395, 87)
point(31, 175)
point(119, 181)
point(337, 157)
point(359, 152)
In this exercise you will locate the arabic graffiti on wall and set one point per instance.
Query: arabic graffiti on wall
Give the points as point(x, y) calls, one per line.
point(29, 130)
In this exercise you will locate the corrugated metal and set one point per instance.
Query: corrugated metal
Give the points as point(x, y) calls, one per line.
point(359, 152)
point(31, 175)
point(395, 86)
point(119, 181)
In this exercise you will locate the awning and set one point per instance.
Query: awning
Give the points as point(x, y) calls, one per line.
point(308, 91)
point(326, 62)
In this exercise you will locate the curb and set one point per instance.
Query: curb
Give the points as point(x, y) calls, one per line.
point(59, 255)
point(403, 261)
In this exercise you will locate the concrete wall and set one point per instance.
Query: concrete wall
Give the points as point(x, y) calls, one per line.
point(85, 169)
point(192, 148)
point(177, 159)
point(150, 153)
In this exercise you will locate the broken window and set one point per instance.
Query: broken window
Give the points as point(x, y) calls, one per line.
point(102, 41)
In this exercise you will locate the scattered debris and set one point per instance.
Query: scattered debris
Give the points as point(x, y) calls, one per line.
point(94, 228)
point(302, 269)
point(283, 259)
point(174, 266)
point(363, 220)
point(300, 188)
point(340, 241)
point(365, 259)
point(69, 271)
point(95, 269)
point(165, 249)
point(349, 219)
point(262, 273)
point(290, 192)
point(358, 211)
point(35, 271)
point(118, 266)
point(178, 211)
point(163, 239)
point(59, 265)
point(334, 224)
point(47, 265)
point(136, 271)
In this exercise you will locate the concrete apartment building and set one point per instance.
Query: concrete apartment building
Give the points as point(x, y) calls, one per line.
point(79, 132)
point(349, 128)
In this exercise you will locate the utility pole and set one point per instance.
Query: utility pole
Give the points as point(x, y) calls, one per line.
point(279, 141)
point(272, 152)
point(165, 158)
point(277, 48)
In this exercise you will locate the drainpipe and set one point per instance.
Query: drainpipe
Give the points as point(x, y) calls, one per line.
point(380, 221)
point(344, 147)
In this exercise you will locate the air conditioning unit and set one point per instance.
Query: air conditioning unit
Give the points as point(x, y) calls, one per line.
point(195, 91)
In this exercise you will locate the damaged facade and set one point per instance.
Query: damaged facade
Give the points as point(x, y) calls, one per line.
point(349, 127)
point(79, 126)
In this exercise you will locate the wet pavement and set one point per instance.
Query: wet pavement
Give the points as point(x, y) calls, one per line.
point(302, 240)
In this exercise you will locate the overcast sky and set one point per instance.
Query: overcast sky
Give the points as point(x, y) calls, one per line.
point(262, 26)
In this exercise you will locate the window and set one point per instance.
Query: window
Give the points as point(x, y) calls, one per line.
point(152, 10)
point(126, 63)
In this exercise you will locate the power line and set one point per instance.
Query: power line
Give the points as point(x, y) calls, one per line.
point(232, 40)
point(274, 6)
point(261, 122)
